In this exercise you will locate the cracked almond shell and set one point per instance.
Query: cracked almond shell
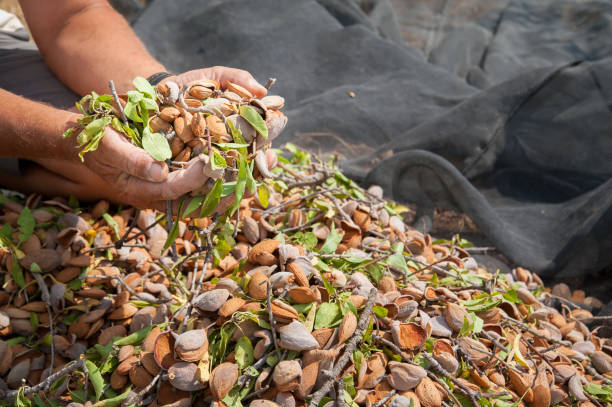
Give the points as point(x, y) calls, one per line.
point(262, 252)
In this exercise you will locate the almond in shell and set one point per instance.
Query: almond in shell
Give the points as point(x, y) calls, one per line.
point(262, 252)
point(428, 393)
point(222, 379)
point(191, 346)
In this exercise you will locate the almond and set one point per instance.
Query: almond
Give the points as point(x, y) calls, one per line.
point(258, 286)
point(169, 114)
point(198, 125)
point(230, 306)
point(428, 393)
point(217, 129)
point(183, 376)
point(222, 379)
point(302, 295)
point(239, 90)
point(262, 252)
point(455, 316)
point(182, 127)
point(200, 92)
point(298, 273)
point(347, 327)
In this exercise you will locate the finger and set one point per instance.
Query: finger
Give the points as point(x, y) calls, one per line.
point(244, 79)
point(177, 184)
point(116, 151)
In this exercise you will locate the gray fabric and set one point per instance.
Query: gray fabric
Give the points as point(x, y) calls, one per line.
point(501, 108)
point(24, 73)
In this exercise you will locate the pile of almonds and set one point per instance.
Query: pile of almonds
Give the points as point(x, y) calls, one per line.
point(316, 293)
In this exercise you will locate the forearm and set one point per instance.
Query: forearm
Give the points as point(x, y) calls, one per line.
point(86, 43)
point(33, 130)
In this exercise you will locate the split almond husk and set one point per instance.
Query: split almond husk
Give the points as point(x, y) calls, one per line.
point(183, 376)
point(191, 346)
point(347, 327)
point(222, 379)
point(408, 336)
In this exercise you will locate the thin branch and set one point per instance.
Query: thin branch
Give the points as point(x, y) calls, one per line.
point(271, 314)
point(44, 385)
point(111, 85)
point(362, 325)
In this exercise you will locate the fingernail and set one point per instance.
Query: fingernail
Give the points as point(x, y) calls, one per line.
point(157, 172)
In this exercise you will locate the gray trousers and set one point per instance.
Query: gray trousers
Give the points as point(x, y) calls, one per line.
point(24, 73)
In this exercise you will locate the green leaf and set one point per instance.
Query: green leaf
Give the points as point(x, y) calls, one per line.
point(26, 224)
point(263, 193)
point(115, 401)
point(238, 139)
point(328, 315)
point(212, 199)
point(194, 204)
point(93, 143)
point(218, 161)
point(511, 295)
point(380, 312)
point(95, 126)
point(17, 273)
point(34, 320)
point(131, 111)
point(96, 378)
point(144, 86)
point(136, 338)
point(156, 145)
point(240, 183)
point(477, 323)
point(331, 243)
point(230, 146)
point(175, 228)
point(113, 224)
point(397, 260)
point(466, 328)
point(310, 317)
point(35, 268)
point(244, 352)
point(482, 304)
point(147, 104)
point(254, 119)
point(328, 287)
point(306, 239)
point(69, 132)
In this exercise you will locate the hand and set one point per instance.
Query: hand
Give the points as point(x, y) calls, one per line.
point(223, 75)
point(121, 172)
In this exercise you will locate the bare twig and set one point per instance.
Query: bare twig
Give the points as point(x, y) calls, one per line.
point(111, 85)
point(46, 297)
point(271, 314)
point(387, 397)
point(44, 385)
point(364, 320)
point(138, 397)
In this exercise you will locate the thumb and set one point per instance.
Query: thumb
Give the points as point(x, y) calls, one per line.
point(120, 153)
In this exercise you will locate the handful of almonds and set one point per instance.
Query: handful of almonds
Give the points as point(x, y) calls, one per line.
point(315, 294)
point(228, 129)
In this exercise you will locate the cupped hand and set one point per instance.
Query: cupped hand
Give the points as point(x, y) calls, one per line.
point(223, 75)
point(135, 178)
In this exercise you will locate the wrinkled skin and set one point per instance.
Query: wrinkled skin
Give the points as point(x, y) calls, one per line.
point(124, 173)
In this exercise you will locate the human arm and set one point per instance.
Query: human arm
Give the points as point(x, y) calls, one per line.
point(88, 36)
